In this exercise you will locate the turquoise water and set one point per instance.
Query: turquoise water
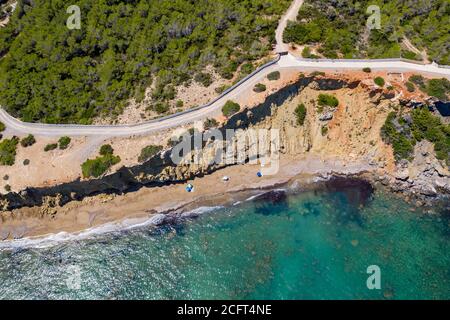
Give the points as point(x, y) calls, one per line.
point(314, 245)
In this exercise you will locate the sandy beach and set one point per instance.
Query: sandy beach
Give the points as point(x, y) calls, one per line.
point(209, 191)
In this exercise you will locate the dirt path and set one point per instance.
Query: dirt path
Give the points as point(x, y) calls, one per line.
point(290, 15)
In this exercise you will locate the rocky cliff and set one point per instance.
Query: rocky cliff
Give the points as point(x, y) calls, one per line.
point(350, 131)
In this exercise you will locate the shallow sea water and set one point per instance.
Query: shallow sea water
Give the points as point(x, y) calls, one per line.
point(313, 245)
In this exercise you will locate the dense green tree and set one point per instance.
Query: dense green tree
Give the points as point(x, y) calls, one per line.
point(51, 74)
point(340, 28)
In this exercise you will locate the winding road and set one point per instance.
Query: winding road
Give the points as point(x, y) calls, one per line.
point(17, 127)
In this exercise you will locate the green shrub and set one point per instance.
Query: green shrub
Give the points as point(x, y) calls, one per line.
point(439, 88)
point(424, 126)
point(98, 166)
point(222, 88)
point(317, 74)
point(300, 113)
point(161, 107)
point(179, 104)
point(230, 108)
point(367, 70)
point(64, 142)
point(259, 87)
point(2, 126)
point(28, 141)
point(274, 76)
point(210, 123)
point(8, 188)
point(418, 80)
point(8, 149)
point(106, 149)
point(410, 86)
point(324, 130)
point(203, 78)
point(328, 100)
point(26, 162)
point(148, 152)
point(379, 81)
point(247, 68)
point(50, 146)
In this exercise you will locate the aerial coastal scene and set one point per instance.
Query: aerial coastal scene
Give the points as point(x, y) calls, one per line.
point(217, 150)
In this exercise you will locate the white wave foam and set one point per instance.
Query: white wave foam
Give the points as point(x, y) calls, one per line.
point(127, 224)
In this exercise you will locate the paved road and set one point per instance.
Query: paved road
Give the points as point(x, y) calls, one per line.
point(17, 127)
point(290, 15)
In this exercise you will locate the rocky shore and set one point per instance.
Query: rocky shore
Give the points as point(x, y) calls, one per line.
point(351, 147)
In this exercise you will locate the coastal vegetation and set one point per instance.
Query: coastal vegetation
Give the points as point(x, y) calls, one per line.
point(28, 141)
point(260, 87)
point(98, 166)
point(230, 108)
point(2, 126)
point(338, 29)
point(51, 74)
point(210, 123)
point(404, 131)
point(379, 81)
point(439, 88)
point(148, 152)
point(8, 149)
point(64, 142)
point(300, 113)
point(273, 76)
point(50, 146)
point(327, 100)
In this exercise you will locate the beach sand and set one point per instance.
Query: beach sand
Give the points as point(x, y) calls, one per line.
point(209, 190)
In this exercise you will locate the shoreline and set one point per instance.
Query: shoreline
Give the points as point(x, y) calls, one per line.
point(323, 179)
point(101, 212)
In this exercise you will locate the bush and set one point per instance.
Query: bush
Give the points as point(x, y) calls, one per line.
point(247, 68)
point(230, 108)
point(98, 166)
point(317, 74)
point(300, 113)
point(64, 142)
point(148, 152)
point(50, 146)
point(106, 149)
point(26, 162)
point(274, 76)
point(367, 70)
point(222, 88)
point(161, 107)
point(210, 123)
point(324, 130)
point(179, 104)
point(418, 80)
point(410, 86)
point(259, 87)
point(203, 78)
point(379, 81)
point(2, 126)
point(328, 100)
point(8, 149)
point(8, 188)
point(28, 141)
point(306, 52)
point(438, 88)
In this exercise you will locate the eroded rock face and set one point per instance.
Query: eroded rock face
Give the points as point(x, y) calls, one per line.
point(353, 134)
